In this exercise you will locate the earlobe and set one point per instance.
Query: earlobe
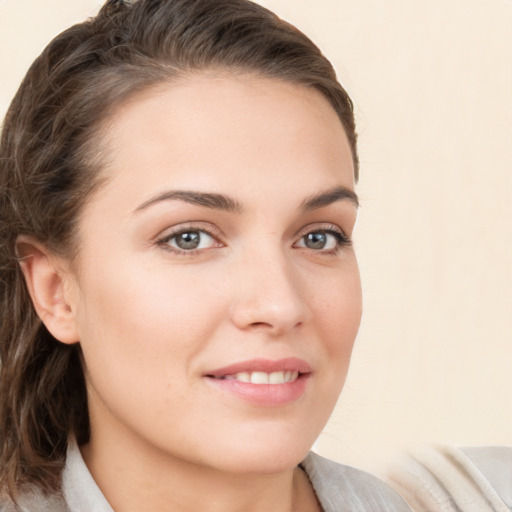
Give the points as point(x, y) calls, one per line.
point(47, 284)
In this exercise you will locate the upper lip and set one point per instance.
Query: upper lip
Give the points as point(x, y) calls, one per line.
point(289, 364)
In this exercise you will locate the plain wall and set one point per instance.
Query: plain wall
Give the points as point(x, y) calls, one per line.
point(432, 85)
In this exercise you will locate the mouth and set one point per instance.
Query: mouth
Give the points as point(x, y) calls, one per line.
point(263, 371)
point(281, 377)
point(262, 381)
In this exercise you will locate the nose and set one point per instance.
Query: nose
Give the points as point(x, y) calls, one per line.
point(269, 295)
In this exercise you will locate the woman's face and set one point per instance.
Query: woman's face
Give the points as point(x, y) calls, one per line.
point(216, 293)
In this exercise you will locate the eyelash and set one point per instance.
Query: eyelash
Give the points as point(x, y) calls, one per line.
point(163, 242)
point(341, 239)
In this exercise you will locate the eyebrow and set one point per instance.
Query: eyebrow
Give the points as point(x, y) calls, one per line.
point(328, 197)
point(206, 199)
point(226, 203)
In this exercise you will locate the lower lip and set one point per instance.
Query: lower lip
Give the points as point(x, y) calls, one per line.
point(266, 395)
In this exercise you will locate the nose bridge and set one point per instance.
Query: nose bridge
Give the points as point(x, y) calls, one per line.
point(268, 294)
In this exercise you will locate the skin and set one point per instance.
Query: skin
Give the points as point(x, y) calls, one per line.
point(154, 319)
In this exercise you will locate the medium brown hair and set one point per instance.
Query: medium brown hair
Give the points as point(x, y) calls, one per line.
point(49, 165)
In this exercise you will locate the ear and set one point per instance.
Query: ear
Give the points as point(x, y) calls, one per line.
point(48, 284)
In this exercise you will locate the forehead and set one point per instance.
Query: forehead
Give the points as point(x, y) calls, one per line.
point(216, 129)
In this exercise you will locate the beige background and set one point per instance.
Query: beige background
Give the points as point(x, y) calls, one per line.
point(432, 83)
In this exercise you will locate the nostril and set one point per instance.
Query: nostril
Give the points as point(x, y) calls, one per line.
point(260, 324)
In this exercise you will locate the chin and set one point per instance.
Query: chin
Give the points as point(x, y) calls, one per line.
point(265, 454)
point(271, 443)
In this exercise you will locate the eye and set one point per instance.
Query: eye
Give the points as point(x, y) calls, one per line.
point(188, 240)
point(319, 240)
point(327, 240)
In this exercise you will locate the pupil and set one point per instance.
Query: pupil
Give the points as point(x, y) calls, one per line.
point(188, 240)
point(316, 240)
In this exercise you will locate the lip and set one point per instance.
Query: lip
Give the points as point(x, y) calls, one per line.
point(266, 395)
point(289, 364)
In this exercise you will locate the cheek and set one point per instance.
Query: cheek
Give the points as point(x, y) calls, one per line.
point(338, 314)
point(140, 335)
point(338, 308)
point(146, 316)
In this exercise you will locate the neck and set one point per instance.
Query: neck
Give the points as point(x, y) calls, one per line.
point(148, 479)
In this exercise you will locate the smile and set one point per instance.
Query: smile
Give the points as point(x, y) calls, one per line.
point(264, 378)
point(263, 382)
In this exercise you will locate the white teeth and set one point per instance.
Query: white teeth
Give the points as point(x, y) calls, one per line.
point(264, 378)
point(277, 378)
point(259, 378)
point(293, 376)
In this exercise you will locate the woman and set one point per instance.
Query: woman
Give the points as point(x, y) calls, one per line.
point(177, 320)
